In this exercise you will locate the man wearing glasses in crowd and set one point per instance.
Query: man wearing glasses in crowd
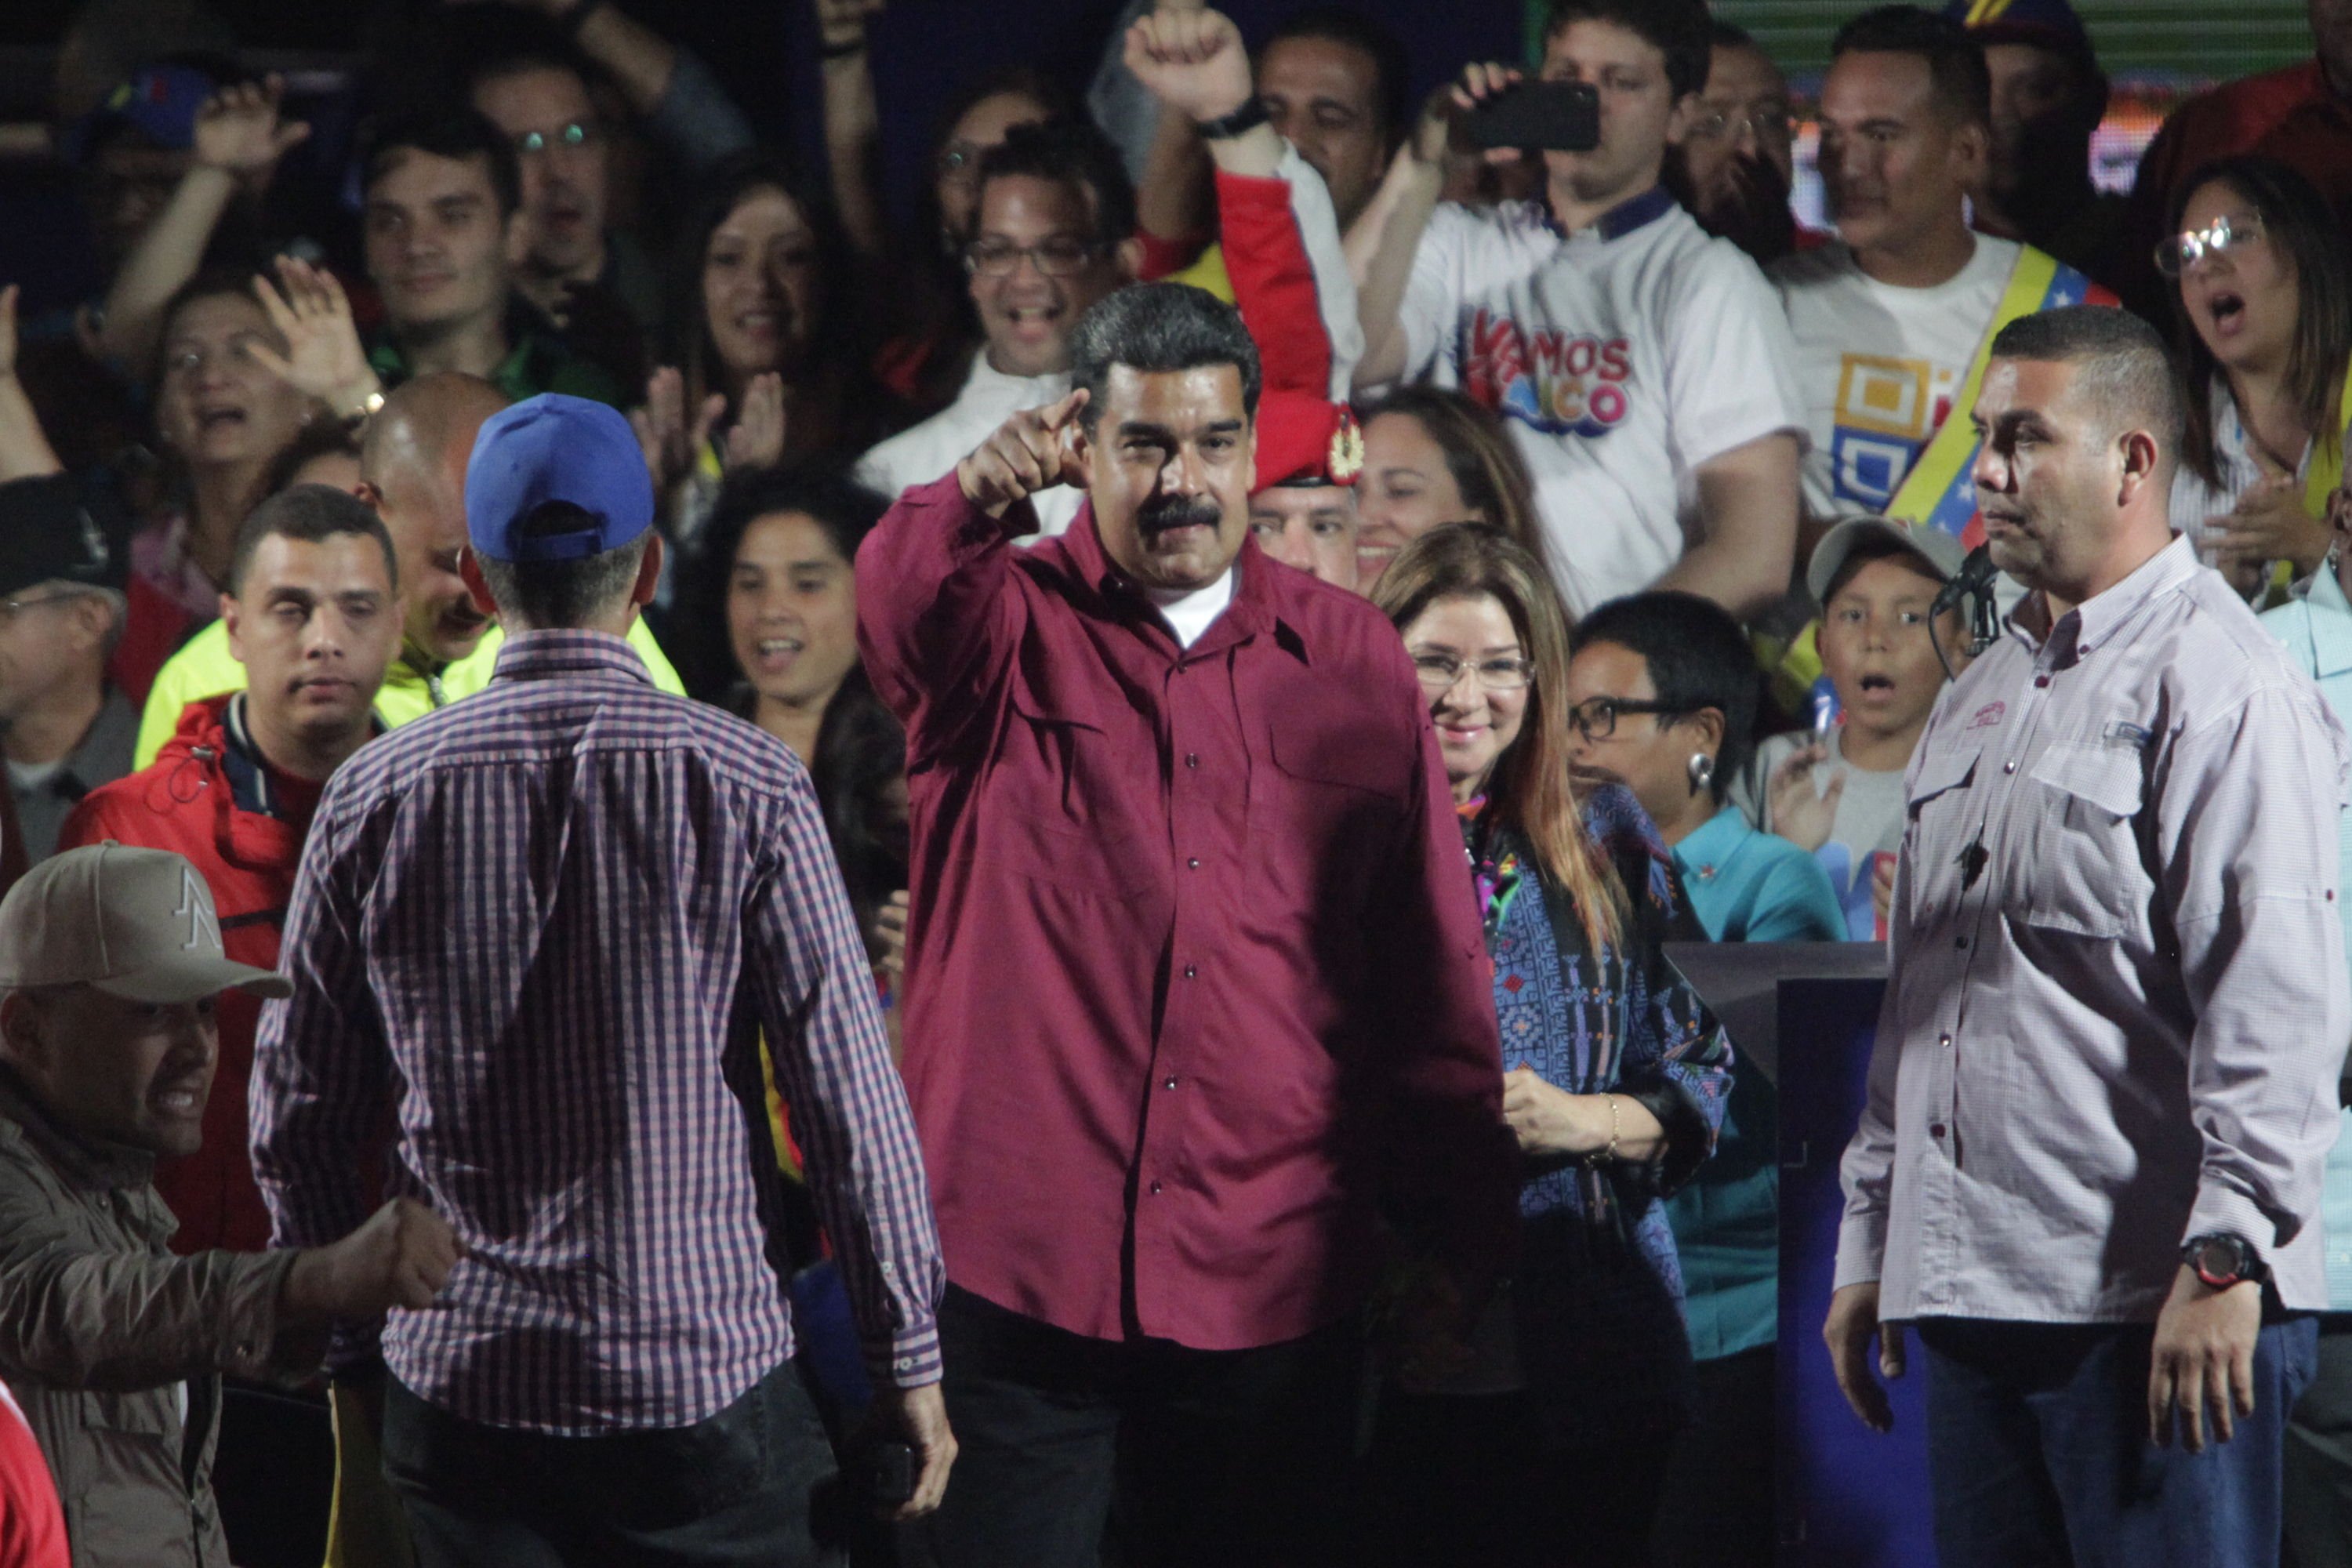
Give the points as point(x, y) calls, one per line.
point(1050, 236)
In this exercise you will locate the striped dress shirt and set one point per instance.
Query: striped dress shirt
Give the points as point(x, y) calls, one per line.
point(2116, 1000)
point(540, 931)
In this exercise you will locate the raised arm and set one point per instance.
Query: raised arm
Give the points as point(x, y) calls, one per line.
point(938, 618)
point(1747, 497)
point(25, 449)
point(852, 120)
point(239, 139)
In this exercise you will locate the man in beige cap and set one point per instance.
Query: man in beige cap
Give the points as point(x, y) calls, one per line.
point(111, 964)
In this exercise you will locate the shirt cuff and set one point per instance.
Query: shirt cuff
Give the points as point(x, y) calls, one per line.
point(1862, 1250)
point(253, 1349)
point(909, 1360)
point(2223, 1209)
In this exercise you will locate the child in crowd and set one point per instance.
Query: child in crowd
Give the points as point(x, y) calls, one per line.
point(1841, 794)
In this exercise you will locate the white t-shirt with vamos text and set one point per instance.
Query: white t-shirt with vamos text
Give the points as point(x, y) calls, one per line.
point(1624, 357)
point(1881, 365)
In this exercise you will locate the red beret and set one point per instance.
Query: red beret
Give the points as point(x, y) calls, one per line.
point(1306, 440)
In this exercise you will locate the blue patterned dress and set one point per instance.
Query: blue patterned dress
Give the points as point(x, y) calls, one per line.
point(1598, 1297)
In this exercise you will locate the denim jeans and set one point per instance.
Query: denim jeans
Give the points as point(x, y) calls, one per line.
point(2038, 1450)
point(737, 1489)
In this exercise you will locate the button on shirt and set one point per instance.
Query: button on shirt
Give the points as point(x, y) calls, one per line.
point(1193, 968)
point(2117, 1000)
point(545, 927)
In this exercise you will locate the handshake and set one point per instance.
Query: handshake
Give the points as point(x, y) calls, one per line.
point(399, 1257)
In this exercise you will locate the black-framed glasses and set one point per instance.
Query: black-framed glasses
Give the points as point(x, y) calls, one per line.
point(1439, 671)
point(1056, 257)
point(579, 133)
point(1595, 718)
point(2178, 253)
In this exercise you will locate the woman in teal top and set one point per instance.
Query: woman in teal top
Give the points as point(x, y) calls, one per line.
point(2316, 627)
point(1665, 692)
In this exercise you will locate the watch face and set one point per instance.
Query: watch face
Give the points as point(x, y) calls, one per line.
point(2221, 1258)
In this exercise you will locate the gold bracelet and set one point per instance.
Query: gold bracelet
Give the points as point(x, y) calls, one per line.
point(1600, 1157)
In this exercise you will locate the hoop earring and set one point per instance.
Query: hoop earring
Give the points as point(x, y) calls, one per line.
point(1701, 769)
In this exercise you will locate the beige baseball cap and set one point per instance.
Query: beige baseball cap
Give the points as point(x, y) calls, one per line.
point(1938, 551)
point(135, 923)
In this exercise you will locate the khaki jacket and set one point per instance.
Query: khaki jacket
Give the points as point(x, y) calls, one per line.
point(103, 1332)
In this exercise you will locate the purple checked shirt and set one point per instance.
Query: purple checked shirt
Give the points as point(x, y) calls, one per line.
point(543, 930)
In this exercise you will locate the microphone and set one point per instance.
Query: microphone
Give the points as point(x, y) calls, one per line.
point(1975, 577)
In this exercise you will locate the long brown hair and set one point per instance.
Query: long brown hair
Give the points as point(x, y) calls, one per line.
point(1531, 790)
point(2304, 230)
point(1486, 467)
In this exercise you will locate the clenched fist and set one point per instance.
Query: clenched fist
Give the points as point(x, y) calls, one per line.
point(1034, 450)
point(399, 1257)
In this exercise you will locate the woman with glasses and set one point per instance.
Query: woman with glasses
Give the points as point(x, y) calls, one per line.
point(2262, 303)
point(766, 360)
point(1665, 691)
point(1433, 456)
point(1575, 1377)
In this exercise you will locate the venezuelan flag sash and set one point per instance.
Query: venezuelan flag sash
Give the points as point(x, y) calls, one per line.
point(1939, 492)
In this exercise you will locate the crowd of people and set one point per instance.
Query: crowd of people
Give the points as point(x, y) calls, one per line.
point(691, 877)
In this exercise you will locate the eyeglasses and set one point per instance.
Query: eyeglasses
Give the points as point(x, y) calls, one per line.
point(190, 361)
point(579, 133)
point(1439, 671)
point(1055, 257)
point(1765, 125)
point(1595, 718)
point(2176, 255)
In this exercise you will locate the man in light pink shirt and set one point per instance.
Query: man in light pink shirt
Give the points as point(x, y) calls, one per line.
point(2105, 1085)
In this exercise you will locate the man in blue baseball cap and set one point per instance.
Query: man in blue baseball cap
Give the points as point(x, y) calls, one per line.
point(2048, 97)
point(561, 916)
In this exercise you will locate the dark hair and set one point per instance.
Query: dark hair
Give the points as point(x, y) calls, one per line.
point(2304, 229)
point(1391, 70)
point(1957, 74)
point(209, 283)
point(2121, 365)
point(861, 749)
point(833, 343)
point(1698, 657)
point(311, 514)
point(319, 439)
point(819, 489)
point(1069, 152)
point(1156, 328)
point(445, 131)
point(1723, 35)
point(553, 595)
point(1675, 28)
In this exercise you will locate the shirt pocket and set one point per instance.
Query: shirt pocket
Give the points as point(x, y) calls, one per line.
point(1323, 812)
point(1055, 813)
point(2081, 868)
point(1938, 821)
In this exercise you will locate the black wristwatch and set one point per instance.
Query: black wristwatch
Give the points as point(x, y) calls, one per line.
point(2222, 1261)
point(1252, 114)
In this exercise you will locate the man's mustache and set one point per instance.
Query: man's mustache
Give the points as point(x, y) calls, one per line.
point(1178, 512)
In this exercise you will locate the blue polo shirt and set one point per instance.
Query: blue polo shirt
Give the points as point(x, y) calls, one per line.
point(2317, 631)
point(1744, 886)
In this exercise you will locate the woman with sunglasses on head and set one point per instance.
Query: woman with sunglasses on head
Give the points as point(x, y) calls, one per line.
point(2262, 302)
point(1575, 1377)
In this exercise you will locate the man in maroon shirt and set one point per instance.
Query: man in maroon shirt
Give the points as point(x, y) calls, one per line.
point(1194, 974)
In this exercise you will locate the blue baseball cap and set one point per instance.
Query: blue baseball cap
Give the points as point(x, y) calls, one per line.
point(556, 448)
point(160, 102)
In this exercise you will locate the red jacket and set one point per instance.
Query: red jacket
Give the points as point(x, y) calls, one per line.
point(187, 802)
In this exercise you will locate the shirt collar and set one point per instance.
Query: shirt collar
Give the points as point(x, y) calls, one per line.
point(1704, 851)
point(1624, 218)
point(1257, 600)
point(82, 1162)
point(539, 656)
point(2091, 624)
point(106, 746)
point(2329, 615)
